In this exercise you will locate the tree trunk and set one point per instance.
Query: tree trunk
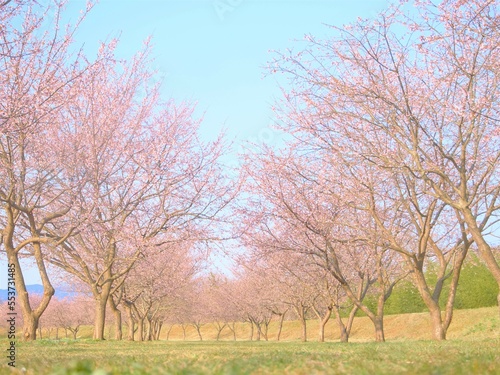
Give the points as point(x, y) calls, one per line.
point(484, 248)
point(234, 331)
point(322, 321)
point(158, 331)
point(30, 327)
point(438, 332)
point(140, 331)
point(31, 317)
point(437, 323)
point(304, 329)
point(220, 328)
point(301, 313)
point(280, 325)
point(149, 334)
point(118, 318)
point(344, 337)
point(232, 328)
point(100, 316)
point(118, 325)
point(131, 323)
point(343, 332)
point(345, 329)
point(257, 325)
point(198, 329)
point(266, 330)
point(48, 290)
point(379, 328)
point(156, 328)
point(251, 330)
point(378, 320)
point(322, 324)
point(457, 268)
point(169, 330)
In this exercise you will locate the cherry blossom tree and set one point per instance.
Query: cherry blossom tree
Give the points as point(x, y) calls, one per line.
point(335, 300)
point(300, 207)
point(227, 302)
point(328, 300)
point(254, 306)
point(218, 306)
point(157, 282)
point(291, 281)
point(38, 73)
point(402, 104)
point(146, 180)
point(68, 314)
point(415, 96)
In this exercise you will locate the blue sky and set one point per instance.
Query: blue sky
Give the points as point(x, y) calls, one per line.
point(213, 52)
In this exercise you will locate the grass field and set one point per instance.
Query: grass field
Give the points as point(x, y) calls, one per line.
point(473, 348)
point(418, 357)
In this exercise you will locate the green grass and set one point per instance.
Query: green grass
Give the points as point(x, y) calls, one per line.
point(473, 348)
point(111, 357)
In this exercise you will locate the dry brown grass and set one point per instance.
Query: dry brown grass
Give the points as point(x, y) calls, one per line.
point(475, 324)
point(479, 323)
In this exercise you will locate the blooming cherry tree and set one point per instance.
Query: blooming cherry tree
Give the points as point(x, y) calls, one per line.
point(38, 76)
point(410, 99)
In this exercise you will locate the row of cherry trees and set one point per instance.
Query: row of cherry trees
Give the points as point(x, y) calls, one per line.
point(100, 177)
point(212, 302)
point(252, 306)
point(393, 161)
point(391, 168)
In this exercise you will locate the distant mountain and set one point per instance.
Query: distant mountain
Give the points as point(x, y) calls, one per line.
point(38, 289)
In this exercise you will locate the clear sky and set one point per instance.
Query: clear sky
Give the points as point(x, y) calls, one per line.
point(213, 52)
